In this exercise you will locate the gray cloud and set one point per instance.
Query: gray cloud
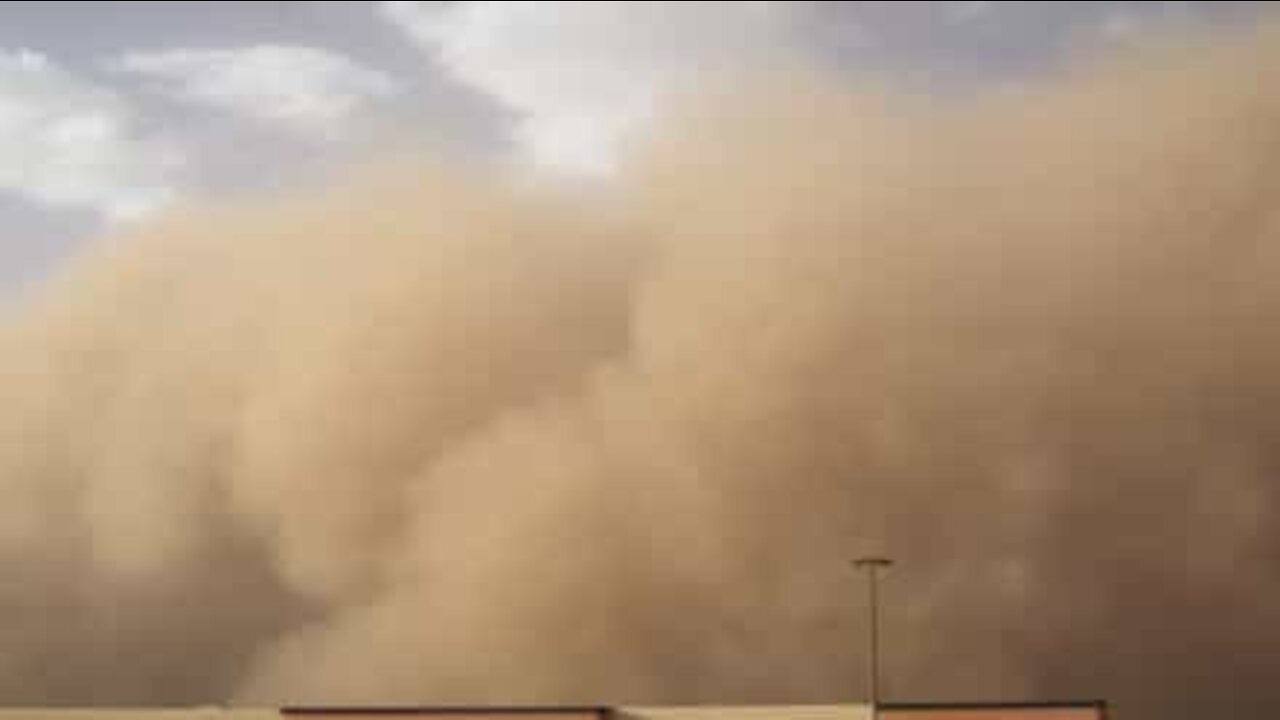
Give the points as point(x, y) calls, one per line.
point(300, 88)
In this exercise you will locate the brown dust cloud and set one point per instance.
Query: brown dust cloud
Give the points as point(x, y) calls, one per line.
point(429, 434)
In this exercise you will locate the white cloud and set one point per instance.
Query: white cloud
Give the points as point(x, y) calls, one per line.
point(583, 75)
point(302, 88)
point(66, 142)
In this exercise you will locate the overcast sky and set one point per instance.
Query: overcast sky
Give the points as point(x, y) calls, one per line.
point(110, 111)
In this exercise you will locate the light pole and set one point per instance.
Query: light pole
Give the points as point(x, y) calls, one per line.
point(873, 565)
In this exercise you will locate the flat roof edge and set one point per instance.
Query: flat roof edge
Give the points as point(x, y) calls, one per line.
point(442, 709)
point(606, 710)
point(978, 705)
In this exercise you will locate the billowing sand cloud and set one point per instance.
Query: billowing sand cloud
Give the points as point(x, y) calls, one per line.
point(429, 435)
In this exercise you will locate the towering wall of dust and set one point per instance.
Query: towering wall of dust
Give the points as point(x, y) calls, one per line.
point(423, 437)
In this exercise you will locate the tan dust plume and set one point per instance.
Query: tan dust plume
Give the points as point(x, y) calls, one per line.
point(429, 435)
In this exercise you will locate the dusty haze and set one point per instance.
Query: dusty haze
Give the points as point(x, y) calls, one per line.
point(431, 435)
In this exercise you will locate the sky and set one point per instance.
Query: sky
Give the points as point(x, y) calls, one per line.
point(113, 111)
